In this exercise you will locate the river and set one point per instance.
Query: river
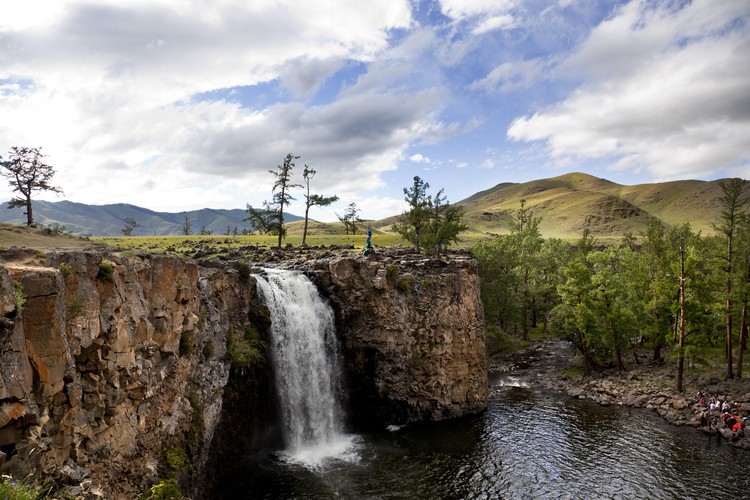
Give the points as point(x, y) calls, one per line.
point(530, 443)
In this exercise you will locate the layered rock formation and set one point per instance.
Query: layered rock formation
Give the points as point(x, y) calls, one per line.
point(111, 364)
point(106, 365)
point(413, 334)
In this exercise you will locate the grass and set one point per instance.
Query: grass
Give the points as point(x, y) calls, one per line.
point(13, 489)
point(224, 243)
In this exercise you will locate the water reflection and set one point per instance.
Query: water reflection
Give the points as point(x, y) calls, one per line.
point(528, 444)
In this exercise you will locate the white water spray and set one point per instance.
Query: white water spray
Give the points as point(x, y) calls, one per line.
point(305, 353)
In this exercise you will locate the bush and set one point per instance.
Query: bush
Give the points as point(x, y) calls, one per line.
point(21, 298)
point(12, 489)
point(163, 490)
point(186, 344)
point(66, 270)
point(244, 269)
point(75, 308)
point(247, 350)
point(106, 271)
point(177, 460)
point(391, 273)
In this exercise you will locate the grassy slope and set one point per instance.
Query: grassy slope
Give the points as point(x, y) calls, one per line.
point(568, 203)
point(24, 237)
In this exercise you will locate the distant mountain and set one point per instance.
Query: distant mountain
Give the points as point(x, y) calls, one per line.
point(571, 202)
point(566, 204)
point(108, 220)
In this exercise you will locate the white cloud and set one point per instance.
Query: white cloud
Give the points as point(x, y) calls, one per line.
point(459, 9)
point(666, 90)
point(418, 158)
point(509, 76)
point(501, 22)
point(107, 89)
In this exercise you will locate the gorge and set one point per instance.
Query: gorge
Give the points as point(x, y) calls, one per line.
point(124, 370)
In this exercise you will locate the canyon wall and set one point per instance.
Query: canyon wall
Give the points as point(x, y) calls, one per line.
point(412, 332)
point(119, 371)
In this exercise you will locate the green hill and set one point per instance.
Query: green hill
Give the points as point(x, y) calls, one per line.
point(569, 203)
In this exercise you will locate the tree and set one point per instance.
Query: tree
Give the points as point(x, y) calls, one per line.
point(733, 204)
point(430, 222)
point(350, 219)
point(443, 223)
point(744, 290)
point(27, 173)
point(130, 225)
point(270, 219)
point(187, 226)
point(312, 200)
point(682, 235)
point(411, 222)
point(205, 231)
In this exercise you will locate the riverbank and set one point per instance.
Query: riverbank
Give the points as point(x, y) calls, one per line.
point(646, 385)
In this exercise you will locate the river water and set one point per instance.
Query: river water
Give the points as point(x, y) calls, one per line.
point(528, 444)
point(531, 443)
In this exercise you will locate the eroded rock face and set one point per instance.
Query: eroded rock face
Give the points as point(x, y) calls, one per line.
point(108, 365)
point(413, 335)
point(114, 360)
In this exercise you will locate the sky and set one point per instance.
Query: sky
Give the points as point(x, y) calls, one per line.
point(177, 105)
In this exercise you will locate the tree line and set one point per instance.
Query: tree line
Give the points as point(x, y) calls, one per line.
point(669, 288)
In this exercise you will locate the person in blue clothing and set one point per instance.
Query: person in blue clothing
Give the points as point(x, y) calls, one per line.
point(368, 244)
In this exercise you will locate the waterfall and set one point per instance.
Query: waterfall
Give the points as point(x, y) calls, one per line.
point(305, 356)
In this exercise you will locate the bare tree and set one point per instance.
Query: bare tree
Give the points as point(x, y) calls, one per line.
point(26, 173)
point(313, 199)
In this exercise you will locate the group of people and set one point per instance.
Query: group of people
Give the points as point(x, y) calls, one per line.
point(718, 413)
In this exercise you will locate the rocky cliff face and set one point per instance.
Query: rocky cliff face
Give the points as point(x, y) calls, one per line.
point(115, 369)
point(110, 363)
point(413, 335)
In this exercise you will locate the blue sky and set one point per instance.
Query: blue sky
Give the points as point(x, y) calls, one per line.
point(182, 104)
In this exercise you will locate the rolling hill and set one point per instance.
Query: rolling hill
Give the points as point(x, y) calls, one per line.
point(569, 203)
point(566, 205)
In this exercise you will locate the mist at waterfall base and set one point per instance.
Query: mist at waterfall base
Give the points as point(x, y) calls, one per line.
point(530, 443)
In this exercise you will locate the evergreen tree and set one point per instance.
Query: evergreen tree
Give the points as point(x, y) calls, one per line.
point(733, 204)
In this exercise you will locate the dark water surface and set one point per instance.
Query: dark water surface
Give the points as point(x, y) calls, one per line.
point(530, 443)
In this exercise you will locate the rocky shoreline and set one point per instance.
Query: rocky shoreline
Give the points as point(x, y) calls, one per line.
point(647, 385)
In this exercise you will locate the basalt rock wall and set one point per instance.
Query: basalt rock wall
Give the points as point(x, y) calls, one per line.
point(108, 364)
point(413, 335)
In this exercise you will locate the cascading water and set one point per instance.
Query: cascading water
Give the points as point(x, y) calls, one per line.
point(305, 354)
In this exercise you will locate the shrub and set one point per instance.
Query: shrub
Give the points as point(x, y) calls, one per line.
point(177, 460)
point(244, 269)
point(75, 308)
point(12, 489)
point(66, 270)
point(21, 298)
point(247, 350)
point(163, 490)
point(391, 273)
point(106, 271)
point(186, 344)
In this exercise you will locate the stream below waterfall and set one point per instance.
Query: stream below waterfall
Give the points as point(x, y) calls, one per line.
point(530, 443)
